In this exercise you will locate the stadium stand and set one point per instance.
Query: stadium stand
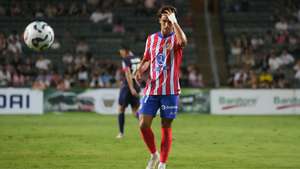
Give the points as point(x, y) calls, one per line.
point(88, 35)
point(262, 38)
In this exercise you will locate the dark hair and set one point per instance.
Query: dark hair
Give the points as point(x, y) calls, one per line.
point(163, 10)
point(125, 46)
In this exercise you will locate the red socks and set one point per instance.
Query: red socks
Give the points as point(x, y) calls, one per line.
point(148, 137)
point(166, 141)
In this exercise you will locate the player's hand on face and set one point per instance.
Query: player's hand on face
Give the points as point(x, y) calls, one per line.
point(171, 16)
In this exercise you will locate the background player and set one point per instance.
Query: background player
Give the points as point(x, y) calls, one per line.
point(163, 55)
point(129, 92)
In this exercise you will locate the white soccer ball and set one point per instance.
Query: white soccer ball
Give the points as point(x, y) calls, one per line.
point(38, 36)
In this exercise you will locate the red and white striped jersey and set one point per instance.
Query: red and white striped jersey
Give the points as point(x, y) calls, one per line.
point(165, 55)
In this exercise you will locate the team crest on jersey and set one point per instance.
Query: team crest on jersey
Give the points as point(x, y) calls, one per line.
point(161, 59)
point(161, 62)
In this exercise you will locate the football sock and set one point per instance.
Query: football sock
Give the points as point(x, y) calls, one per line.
point(166, 141)
point(121, 120)
point(148, 137)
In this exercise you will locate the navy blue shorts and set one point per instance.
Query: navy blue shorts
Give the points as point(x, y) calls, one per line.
point(167, 104)
point(126, 98)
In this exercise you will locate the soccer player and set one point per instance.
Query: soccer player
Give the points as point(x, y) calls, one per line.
point(163, 55)
point(129, 92)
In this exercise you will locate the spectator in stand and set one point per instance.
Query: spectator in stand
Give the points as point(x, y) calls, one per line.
point(83, 76)
point(118, 26)
point(51, 10)
point(15, 9)
point(61, 11)
point(118, 76)
point(240, 78)
point(281, 25)
point(39, 12)
point(279, 80)
point(74, 9)
point(286, 58)
point(55, 78)
point(274, 62)
point(297, 71)
point(14, 44)
point(149, 6)
point(64, 83)
point(265, 79)
point(248, 58)
point(106, 79)
point(195, 78)
point(16, 62)
point(282, 37)
point(256, 42)
point(43, 63)
point(82, 47)
point(17, 79)
point(96, 81)
point(68, 58)
point(5, 76)
point(236, 51)
point(39, 85)
point(262, 62)
point(252, 79)
point(101, 15)
point(56, 45)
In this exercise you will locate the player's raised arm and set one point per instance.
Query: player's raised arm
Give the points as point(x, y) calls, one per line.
point(180, 35)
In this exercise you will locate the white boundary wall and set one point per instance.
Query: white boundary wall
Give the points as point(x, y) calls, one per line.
point(254, 102)
point(21, 101)
point(105, 100)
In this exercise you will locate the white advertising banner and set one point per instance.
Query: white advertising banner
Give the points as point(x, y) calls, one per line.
point(105, 100)
point(256, 102)
point(21, 101)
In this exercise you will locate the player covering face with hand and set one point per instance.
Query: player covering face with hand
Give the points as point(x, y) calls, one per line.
point(162, 57)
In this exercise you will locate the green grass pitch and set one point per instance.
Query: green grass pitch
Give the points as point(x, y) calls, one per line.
point(87, 141)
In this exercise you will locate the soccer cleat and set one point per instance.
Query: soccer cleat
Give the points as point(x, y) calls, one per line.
point(161, 166)
point(120, 135)
point(152, 163)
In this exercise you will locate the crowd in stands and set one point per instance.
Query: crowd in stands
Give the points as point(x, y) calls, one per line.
point(270, 59)
point(81, 67)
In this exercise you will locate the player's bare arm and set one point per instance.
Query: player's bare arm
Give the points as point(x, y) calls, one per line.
point(180, 35)
point(144, 65)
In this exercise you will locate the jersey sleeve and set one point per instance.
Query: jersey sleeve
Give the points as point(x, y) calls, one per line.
point(147, 49)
